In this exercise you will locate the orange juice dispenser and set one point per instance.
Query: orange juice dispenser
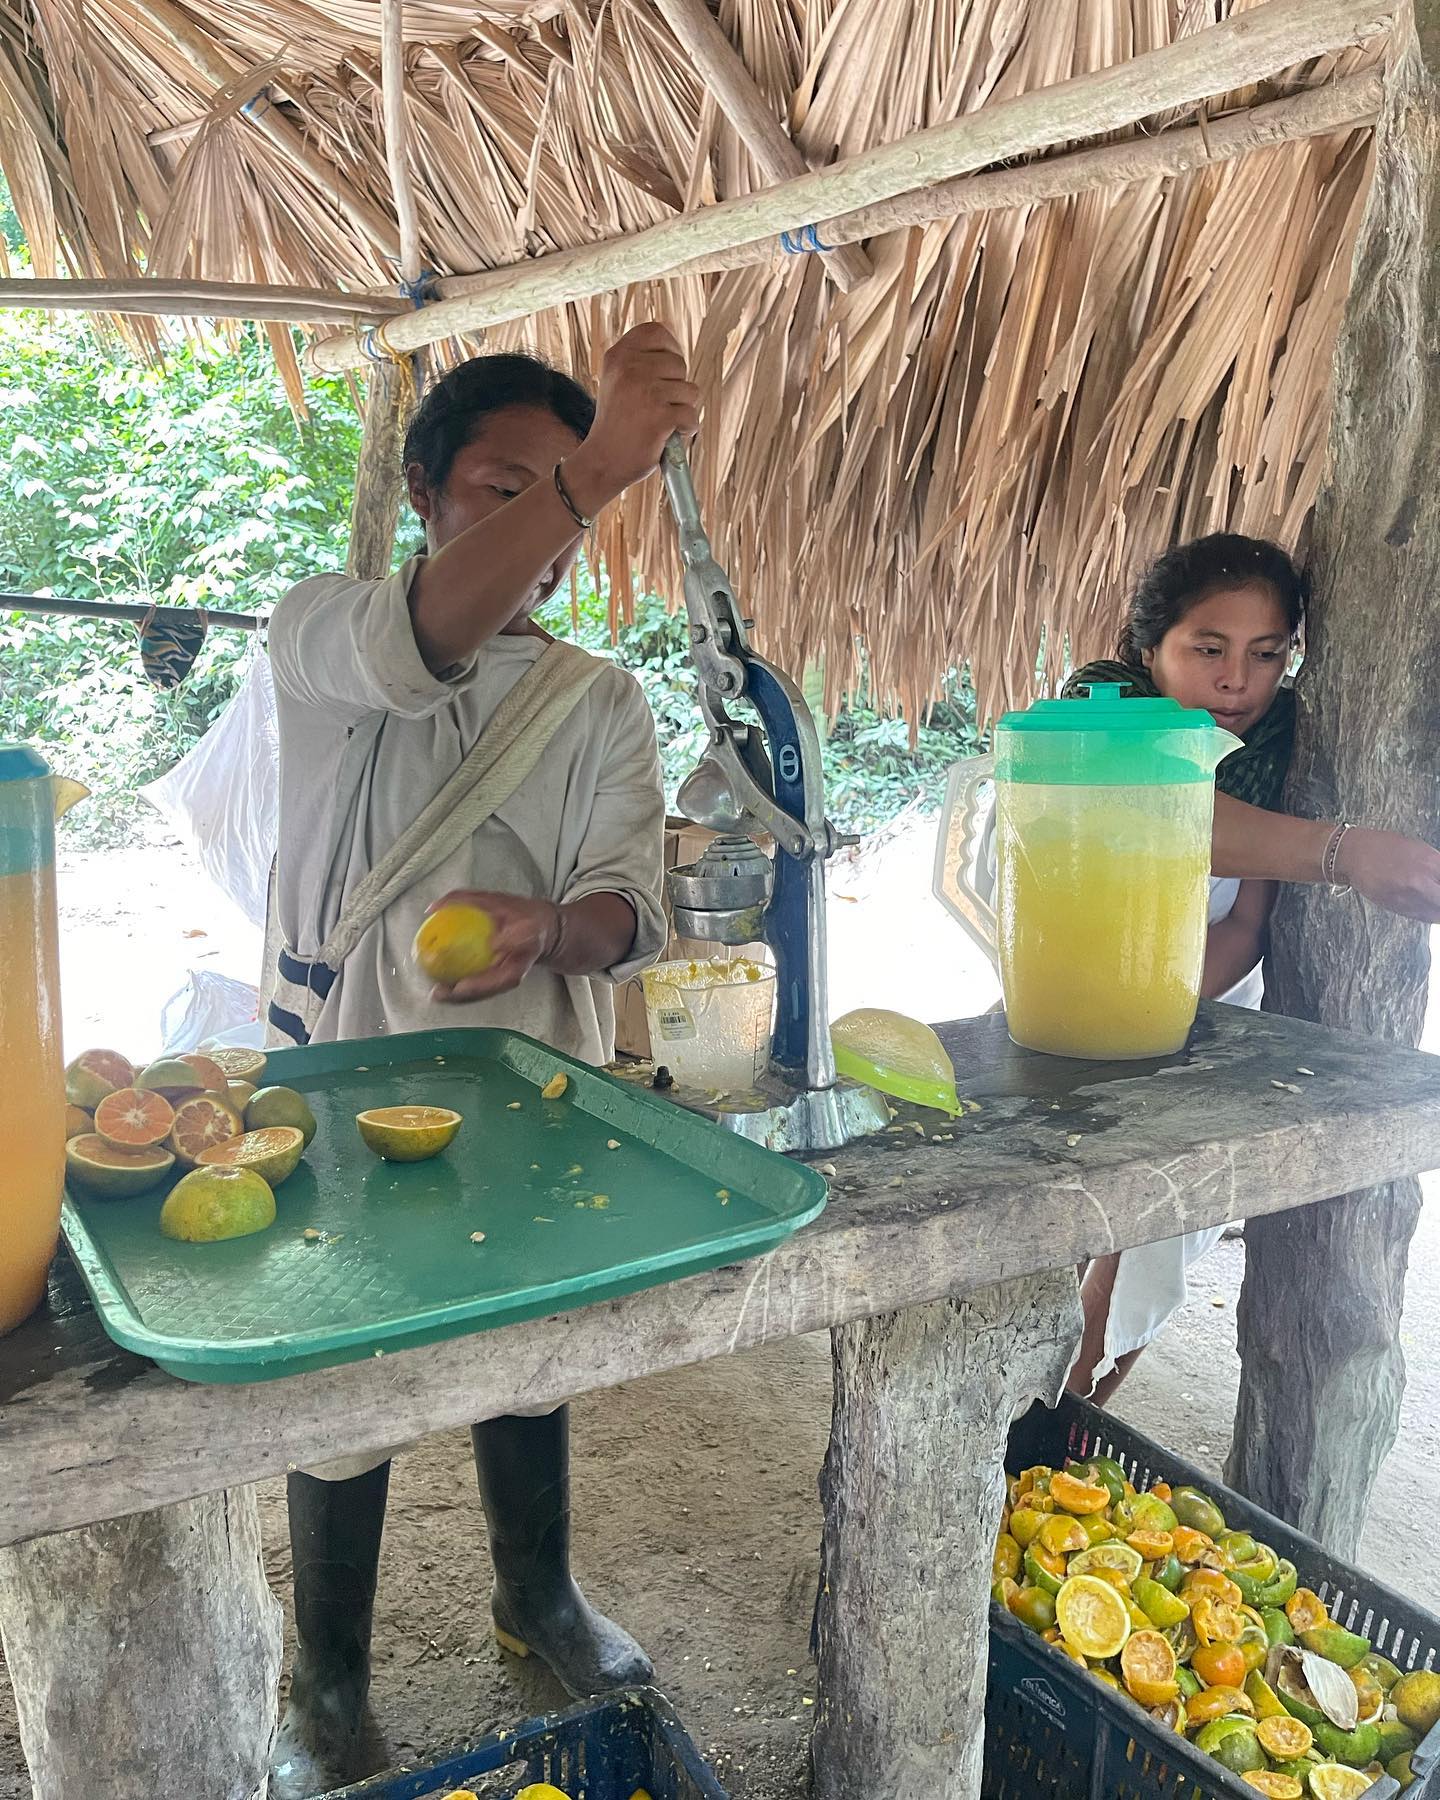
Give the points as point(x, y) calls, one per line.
point(32, 1082)
point(1103, 814)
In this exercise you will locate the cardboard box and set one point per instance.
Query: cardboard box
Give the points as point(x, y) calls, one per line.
point(684, 843)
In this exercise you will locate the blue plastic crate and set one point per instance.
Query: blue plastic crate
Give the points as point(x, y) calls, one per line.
point(601, 1750)
point(1052, 1732)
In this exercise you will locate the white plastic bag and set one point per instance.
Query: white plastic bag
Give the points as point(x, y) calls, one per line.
point(210, 1007)
point(223, 797)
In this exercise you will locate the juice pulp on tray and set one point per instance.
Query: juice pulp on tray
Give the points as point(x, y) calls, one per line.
point(1102, 905)
point(32, 1091)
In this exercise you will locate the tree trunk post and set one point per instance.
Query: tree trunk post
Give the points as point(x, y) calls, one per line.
point(1319, 1317)
point(145, 1654)
point(912, 1491)
point(378, 475)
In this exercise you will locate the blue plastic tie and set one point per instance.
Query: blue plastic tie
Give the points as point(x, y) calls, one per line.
point(421, 290)
point(803, 242)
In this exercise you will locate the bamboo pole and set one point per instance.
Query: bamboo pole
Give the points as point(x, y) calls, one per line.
point(722, 69)
point(199, 299)
point(397, 134)
point(1335, 106)
point(1341, 105)
point(1252, 46)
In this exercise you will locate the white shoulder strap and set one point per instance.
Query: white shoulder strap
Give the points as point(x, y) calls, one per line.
point(506, 751)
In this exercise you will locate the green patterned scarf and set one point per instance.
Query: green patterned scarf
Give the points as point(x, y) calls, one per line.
point(1255, 773)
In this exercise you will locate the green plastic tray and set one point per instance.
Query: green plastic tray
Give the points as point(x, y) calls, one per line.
point(396, 1266)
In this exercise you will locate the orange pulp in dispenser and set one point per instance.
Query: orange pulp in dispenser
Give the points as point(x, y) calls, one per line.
point(1102, 902)
point(32, 1082)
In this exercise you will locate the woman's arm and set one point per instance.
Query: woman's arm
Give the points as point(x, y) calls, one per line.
point(469, 590)
point(1399, 873)
point(1234, 944)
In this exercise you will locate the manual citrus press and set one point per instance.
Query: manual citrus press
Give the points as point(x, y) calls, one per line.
point(756, 783)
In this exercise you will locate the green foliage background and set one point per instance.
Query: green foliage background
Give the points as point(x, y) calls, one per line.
point(196, 486)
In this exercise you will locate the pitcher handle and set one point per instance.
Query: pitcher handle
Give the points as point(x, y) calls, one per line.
point(964, 880)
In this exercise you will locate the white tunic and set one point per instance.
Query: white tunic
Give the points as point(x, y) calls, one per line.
point(368, 736)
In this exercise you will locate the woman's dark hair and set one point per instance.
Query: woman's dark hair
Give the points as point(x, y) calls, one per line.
point(447, 419)
point(1191, 572)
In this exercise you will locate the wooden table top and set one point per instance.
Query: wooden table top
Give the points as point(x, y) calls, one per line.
point(1062, 1161)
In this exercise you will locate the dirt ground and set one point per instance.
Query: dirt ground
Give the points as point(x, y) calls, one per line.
point(696, 1512)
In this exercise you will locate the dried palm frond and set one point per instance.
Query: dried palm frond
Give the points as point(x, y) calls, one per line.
point(960, 461)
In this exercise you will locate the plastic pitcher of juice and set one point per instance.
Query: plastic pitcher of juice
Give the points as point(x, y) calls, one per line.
point(1103, 814)
point(32, 1081)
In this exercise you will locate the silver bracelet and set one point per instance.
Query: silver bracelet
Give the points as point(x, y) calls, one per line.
point(1332, 856)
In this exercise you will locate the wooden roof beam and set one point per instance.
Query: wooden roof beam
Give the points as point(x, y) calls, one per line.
point(736, 92)
point(1335, 106)
point(151, 296)
point(397, 134)
point(1252, 46)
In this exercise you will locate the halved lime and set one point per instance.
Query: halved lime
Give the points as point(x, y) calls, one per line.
point(1120, 1557)
point(1092, 1616)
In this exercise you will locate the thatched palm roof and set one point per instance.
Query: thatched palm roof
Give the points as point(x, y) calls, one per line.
point(960, 457)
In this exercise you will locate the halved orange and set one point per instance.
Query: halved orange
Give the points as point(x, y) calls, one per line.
point(239, 1065)
point(1284, 1739)
point(1078, 1496)
point(210, 1204)
point(209, 1071)
point(77, 1122)
point(93, 1075)
point(202, 1123)
point(1275, 1783)
point(1192, 1546)
point(1217, 1622)
point(1210, 1581)
point(407, 1133)
point(1148, 1664)
point(134, 1117)
point(172, 1077)
point(1305, 1610)
point(274, 1153)
point(1092, 1617)
point(1217, 1703)
point(96, 1167)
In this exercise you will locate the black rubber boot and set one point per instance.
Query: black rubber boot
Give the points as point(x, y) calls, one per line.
point(523, 1467)
point(335, 1529)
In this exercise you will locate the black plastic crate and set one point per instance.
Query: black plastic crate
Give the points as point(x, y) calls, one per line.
point(1051, 1730)
point(601, 1750)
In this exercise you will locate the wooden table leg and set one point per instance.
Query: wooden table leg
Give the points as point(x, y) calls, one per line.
point(145, 1654)
point(912, 1495)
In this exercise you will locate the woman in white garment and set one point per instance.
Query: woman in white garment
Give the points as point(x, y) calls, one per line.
point(1213, 624)
point(384, 690)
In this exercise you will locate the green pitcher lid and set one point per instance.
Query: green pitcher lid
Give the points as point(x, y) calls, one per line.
point(18, 762)
point(1110, 739)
